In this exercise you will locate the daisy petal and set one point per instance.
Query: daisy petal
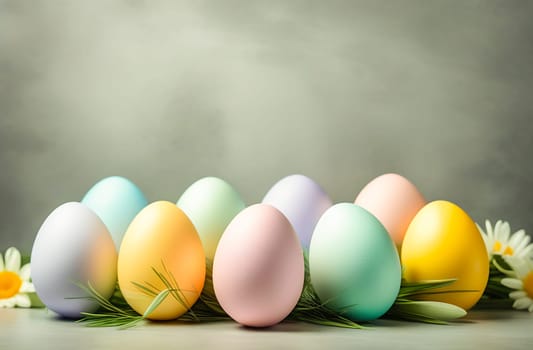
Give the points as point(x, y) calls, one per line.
point(27, 287)
point(13, 260)
point(517, 237)
point(25, 272)
point(498, 230)
point(530, 308)
point(504, 231)
point(512, 283)
point(7, 303)
point(483, 235)
point(517, 294)
point(522, 244)
point(522, 303)
point(489, 229)
point(23, 300)
point(528, 251)
point(521, 269)
point(1, 262)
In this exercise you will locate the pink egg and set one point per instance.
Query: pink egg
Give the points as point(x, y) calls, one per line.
point(394, 200)
point(258, 269)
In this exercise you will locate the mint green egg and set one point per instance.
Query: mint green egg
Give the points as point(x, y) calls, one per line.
point(211, 203)
point(354, 265)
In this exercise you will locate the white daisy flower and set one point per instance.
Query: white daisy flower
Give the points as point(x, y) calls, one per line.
point(14, 281)
point(500, 241)
point(523, 283)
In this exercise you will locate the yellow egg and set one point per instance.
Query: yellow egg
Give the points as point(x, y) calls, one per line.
point(162, 238)
point(443, 242)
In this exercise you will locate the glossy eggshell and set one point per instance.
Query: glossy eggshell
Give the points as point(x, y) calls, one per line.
point(72, 247)
point(211, 203)
point(443, 242)
point(161, 237)
point(302, 201)
point(116, 200)
point(258, 271)
point(354, 265)
point(394, 200)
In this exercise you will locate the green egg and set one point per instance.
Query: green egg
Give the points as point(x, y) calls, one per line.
point(354, 265)
point(211, 203)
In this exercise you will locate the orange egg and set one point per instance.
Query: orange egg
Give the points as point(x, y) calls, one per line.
point(161, 237)
point(443, 242)
point(394, 200)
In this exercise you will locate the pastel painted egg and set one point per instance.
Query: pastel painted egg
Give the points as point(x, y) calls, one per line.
point(116, 200)
point(258, 271)
point(353, 263)
point(211, 203)
point(73, 246)
point(443, 242)
point(302, 201)
point(394, 200)
point(161, 238)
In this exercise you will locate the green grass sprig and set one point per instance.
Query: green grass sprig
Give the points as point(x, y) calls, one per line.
point(311, 309)
point(116, 312)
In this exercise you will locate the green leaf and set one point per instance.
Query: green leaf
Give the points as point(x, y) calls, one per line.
point(499, 263)
point(407, 308)
point(432, 309)
point(36, 303)
point(24, 259)
point(156, 302)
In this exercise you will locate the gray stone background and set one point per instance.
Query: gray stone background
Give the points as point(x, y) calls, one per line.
point(167, 92)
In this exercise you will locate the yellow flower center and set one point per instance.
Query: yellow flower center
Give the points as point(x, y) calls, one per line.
point(528, 284)
point(10, 284)
point(497, 248)
point(508, 251)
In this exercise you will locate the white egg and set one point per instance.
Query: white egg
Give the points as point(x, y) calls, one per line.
point(72, 247)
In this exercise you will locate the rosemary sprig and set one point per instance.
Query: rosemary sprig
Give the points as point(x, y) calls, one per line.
point(117, 313)
point(311, 309)
point(206, 308)
point(114, 312)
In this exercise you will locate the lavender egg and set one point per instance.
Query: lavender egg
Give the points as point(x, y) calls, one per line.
point(302, 201)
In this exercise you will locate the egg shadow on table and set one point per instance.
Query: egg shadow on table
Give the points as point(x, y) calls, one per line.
point(398, 323)
point(183, 323)
point(483, 315)
point(388, 323)
point(61, 318)
point(283, 327)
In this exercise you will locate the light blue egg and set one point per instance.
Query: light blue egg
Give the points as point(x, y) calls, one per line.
point(116, 200)
point(354, 265)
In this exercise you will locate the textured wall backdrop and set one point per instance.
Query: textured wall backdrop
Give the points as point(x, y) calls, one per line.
point(165, 93)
